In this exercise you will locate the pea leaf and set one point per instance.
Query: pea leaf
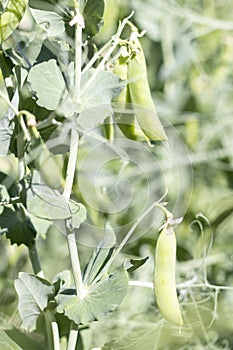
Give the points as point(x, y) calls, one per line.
point(50, 5)
point(24, 340)
point(11, 16)
point(96, 98)
point(103, 298)
point(78, 212)
point(20, 229)
point(93, 13)
point(34, 293)
point(7, 84)
point(6, 131)
point(46, 203)
point(47, 81)
point(3, 105)
point(134, 264)
point(7, 343)
point(100, 256)
point(49, 21)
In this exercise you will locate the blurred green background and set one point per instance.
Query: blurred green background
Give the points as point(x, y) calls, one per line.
point(189, 50)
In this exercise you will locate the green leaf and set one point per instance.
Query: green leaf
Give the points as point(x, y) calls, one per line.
point(93, 14)
point(3, 105)
point(47, 81)
point(78, 212)
point(49, 21)
point(41, 225)
point(6, 131)
point(24, 340)
point(96, 99)
point(11, 17)
point(46, 203)
point(6, 343)
point(28, 48)
point(62, 280)
point(100, 256)
point(51, 5)
point(101, 299)
point(20, 229)
point(134, 264)
point(34, 293)
point(7, 84)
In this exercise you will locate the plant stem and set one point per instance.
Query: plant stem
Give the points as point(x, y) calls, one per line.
point(35, 261)
point(96, 56)
point(56, 341)
point(51, 331)
point(71, 241)
point(73, 336)
point(74, 141)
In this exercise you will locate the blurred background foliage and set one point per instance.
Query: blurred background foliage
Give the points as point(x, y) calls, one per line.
point(189, 49)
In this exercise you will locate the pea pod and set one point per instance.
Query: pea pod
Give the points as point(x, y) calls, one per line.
point(126, 121)
point(42, 158)
point(108, 129)
point(140, 94)
point(164, 276)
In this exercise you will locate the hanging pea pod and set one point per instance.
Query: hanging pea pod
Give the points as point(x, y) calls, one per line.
point(140, 94)
point(43, 160)
point(164, 276)
point(108, 128)
point(125, 118)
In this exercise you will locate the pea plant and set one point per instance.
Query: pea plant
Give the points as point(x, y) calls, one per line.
point(60, 87)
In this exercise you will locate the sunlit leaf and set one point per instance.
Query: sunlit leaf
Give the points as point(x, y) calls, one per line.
point(7, 343)
point(47, 81)
point(10, 17)
point(100, 256)
point(33, 293)
point(102, 298)
point(49, 21)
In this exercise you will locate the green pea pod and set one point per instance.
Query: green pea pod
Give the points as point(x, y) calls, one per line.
point(126, 120)
point(44, 160)
point(108, 129)
point(164, 276)
point(140, 94)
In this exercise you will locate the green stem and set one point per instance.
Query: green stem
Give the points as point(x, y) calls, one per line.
point(70, 235)
point(71, 240)
point(51, 331)
point(73, 336)
point(35, 261)
point(96, 56)
point(56, 340)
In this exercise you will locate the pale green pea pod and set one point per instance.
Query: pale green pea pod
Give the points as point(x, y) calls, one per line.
point(140, 94)
point(164, 277)
point(124, 118)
